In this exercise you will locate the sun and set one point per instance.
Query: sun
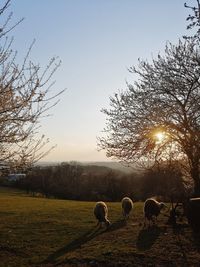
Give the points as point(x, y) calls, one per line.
point(160, 136)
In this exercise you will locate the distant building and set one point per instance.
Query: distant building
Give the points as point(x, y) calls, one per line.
point(16, 176)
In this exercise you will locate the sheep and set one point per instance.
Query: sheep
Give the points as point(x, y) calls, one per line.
point(127, 205)
point(101, 213)
point(152, 209)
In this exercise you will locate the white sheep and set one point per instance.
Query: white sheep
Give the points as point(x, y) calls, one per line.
point(152, 209)
point(101, 213)
point(127, 206)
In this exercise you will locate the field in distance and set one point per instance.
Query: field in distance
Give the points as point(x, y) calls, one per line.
point(47, 232)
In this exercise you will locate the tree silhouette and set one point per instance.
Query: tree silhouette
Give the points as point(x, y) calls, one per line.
point(164, 102)
point(24, 98)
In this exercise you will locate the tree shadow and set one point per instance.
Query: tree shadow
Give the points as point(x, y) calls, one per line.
point(179, 228)
point(179, 231)
point(86, 237)
point(196, 239)
point(147, 237)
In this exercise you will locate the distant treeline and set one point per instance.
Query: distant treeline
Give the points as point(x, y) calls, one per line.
point(93, 183)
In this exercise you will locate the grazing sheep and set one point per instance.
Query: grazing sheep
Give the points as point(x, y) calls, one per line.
point(152, 209)
point(127, 205)
point(101, 213)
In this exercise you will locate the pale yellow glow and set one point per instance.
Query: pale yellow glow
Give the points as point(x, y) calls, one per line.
point(160, 136)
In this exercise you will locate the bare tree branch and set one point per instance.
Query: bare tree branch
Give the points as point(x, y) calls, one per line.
point(25, 97)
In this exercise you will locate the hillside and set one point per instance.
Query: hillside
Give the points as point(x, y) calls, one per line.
point(112, 165)
point(109, 164)
point(49, 232)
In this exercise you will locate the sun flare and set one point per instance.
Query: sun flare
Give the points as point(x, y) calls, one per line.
point(160, 136)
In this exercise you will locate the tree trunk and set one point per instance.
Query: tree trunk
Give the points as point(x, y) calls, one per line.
point(196, 178)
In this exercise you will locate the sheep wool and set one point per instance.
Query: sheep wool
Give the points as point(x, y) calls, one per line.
point(127, 206)
point(152, 209)
point(101, 213)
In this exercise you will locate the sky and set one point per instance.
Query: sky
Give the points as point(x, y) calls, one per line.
point(97, 41)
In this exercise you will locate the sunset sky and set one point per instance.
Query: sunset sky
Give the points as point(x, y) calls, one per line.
point(97, 41)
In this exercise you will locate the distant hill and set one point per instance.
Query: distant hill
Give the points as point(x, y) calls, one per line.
point(112, 165)
point(109, 164)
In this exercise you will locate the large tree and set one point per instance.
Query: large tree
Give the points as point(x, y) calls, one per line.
point(159, 116)
point(24, 98)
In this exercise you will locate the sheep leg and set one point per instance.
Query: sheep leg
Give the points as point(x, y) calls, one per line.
point(153, 220)
point(101, 224)
point(124, 215)
point(145, 220)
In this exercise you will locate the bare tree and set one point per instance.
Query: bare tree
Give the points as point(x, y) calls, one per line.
point(159, 116)
point(194, 20)
point(25, 97)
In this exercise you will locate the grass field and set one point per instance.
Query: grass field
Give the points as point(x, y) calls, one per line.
point(48, 232)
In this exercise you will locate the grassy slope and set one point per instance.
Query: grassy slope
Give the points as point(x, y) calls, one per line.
point(47, 232)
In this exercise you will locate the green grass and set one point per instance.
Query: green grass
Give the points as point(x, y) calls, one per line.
point(48, 232)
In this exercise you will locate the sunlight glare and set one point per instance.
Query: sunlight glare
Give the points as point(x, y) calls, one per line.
point(160, 136)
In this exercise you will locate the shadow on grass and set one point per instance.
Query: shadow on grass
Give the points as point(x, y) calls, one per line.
point(179, 228)
point(116, 225)
point(147, 237)
point(179, 232)
point(196, 239)
point(83, 239)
